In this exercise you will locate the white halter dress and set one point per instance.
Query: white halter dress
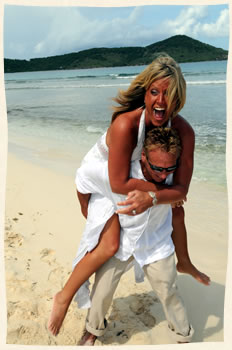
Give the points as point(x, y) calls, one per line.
point(100, 208)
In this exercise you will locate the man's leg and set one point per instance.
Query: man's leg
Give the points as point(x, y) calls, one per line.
point(162, 277)
point(106, 281)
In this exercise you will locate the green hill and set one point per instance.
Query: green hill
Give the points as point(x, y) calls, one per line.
point(181, 47)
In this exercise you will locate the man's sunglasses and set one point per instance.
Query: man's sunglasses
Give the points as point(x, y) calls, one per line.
point(159, 169)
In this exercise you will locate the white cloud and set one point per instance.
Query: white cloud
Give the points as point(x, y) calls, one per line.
point(187, 21)
point(66, 29)
point(71, 31)
point(218, 28)
point(191, 22)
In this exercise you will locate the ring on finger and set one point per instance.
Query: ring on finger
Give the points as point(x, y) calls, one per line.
point(134, 212)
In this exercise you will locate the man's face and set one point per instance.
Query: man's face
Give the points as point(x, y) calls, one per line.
point(158, 158)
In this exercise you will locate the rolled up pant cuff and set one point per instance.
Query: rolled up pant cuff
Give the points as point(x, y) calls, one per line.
point(94, 331)
point(181, 338)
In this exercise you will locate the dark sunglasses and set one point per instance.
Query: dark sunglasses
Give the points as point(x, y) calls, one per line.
point(159, 169)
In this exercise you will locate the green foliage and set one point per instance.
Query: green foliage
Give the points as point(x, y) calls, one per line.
point(181, 47)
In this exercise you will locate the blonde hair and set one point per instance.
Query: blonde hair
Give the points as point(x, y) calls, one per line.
point(163, 66)
point(166, 139)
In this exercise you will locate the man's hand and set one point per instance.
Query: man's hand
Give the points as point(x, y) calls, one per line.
point(139, 201)
point(136, 203)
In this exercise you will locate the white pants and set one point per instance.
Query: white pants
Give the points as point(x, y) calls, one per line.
point(162, 277)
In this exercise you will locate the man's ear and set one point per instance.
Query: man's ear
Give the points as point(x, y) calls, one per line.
point(143, 156)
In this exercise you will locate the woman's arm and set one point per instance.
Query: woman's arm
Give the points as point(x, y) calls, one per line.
point(121, 141)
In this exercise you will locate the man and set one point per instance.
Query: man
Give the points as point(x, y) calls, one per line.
point(146, 239)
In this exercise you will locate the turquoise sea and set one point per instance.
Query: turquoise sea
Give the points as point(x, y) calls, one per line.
point(54, 117)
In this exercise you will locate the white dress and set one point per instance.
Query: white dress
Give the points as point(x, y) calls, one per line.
point(102, 207)
point(95, 158)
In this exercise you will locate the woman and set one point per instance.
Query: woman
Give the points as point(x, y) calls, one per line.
point(154, 98)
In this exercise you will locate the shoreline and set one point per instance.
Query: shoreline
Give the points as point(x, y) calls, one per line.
point(67, 160)
point(102, 67)
point(43, 229)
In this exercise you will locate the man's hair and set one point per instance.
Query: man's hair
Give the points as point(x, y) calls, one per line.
point(163, 66)
point(166, 139)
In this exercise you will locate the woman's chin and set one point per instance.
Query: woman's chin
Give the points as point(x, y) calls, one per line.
point(159, 121)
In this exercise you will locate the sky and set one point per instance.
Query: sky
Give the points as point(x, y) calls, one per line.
point(32, 31)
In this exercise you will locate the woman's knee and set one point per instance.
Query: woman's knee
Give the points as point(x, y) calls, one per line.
point(112, 247)
point(178, 214)
point(111, 237)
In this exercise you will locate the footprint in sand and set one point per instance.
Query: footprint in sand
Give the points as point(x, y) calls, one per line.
point(141, 308)
point(14, 239)
point(67, 338)
point(147, 319)
point(28, 265)
point(148, 300)
point(17, 286)
point(57, 276)
point(33, 285)
point(47, 255)
point(27, 332)
point(11, 306)
point(137, 306)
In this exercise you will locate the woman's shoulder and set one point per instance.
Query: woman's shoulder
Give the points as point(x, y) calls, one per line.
point(129, 120)
point(125, 126)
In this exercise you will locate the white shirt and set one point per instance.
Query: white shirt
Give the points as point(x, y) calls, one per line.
point(146, 236)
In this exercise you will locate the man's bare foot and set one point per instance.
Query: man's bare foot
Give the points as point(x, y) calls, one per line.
point(87, 339)
point(190, 269)
point(59, 310)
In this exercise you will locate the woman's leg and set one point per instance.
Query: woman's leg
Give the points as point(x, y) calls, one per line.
point(106, 248)
point(179, 237)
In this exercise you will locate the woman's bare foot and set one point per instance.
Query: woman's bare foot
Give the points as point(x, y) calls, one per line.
point(59, 310)
point(189, 268)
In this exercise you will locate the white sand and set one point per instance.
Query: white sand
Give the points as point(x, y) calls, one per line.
point(43, 228)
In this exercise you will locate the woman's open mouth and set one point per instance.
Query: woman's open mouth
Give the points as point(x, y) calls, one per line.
point(159, 113)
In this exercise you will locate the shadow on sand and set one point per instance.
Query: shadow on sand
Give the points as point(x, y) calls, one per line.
point(143, 312)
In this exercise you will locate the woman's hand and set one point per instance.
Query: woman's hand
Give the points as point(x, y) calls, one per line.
point(179, 203)
point(136, 203)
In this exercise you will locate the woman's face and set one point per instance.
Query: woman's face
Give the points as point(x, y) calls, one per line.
point(156, 102)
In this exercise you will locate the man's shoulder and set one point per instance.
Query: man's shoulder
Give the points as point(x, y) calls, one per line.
point(136, 169)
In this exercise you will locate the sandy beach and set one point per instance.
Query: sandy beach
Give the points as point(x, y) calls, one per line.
point(42, 229)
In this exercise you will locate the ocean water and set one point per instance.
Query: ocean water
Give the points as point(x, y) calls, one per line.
point(57, 116)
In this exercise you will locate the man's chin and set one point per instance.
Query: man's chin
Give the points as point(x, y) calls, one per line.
point(158, 180)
